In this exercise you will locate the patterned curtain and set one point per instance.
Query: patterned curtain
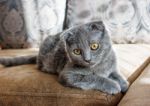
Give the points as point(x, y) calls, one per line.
point(128, 21)
point(43, 18)
point(26, 23)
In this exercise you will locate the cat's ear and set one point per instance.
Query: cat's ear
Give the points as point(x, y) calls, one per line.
point(67, 37)
point(66, 43)
point(96, 26)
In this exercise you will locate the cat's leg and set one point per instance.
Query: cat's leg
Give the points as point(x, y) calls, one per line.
point(107, 85)
point(124, 84)
point(46, 65)
point(89, 82)
point(48, 70)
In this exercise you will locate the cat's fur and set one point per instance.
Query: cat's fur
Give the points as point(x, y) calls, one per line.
point(91, 70)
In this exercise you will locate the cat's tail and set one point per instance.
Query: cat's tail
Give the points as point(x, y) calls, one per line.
point(14, 61)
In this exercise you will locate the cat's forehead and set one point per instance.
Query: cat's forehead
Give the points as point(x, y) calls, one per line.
point(83, 31)
point(90, 31)
point(81, 37)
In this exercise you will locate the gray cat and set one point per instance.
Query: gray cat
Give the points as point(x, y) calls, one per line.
point(82, 56)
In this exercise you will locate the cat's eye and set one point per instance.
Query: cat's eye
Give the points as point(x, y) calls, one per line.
point(77, 51)
point(94, 46)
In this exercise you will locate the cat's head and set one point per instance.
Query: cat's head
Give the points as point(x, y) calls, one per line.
point(87, 44)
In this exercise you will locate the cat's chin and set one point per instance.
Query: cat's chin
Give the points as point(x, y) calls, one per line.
point(92, 65)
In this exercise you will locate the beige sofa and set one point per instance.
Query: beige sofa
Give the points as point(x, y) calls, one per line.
point(26, 86)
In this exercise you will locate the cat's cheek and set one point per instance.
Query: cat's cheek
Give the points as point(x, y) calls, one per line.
point(92, 63)
point(76, 60)
point(94, 60)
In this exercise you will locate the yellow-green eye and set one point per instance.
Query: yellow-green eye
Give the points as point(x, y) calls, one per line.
point(94, 46)
point(77, 51)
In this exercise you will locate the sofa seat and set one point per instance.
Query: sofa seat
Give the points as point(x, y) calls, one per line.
point(25, 85)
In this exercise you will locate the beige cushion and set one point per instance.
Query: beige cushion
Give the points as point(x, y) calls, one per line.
point(139, 92)
point(132, 59)
point(25, 85)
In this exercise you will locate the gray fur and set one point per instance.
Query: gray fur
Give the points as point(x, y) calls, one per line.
point(20, 60)
point(92, 69)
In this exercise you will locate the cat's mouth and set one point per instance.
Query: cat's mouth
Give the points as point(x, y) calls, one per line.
point(89, 64)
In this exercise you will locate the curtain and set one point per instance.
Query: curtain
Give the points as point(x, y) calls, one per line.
point(128, 21)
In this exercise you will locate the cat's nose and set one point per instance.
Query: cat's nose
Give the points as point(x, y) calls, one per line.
point(87, 57)
point(88, 60)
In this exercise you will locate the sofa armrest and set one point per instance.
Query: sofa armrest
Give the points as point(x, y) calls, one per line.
point(139, 92)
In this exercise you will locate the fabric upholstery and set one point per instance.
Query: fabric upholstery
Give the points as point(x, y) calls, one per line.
point(12, 25)
point(79, 12)
point(1, 66)
point(139, 92)
point(26, 23)
point(27, 86)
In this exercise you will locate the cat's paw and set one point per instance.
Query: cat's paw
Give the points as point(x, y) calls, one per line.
point(124, 86)
point(112, 88)
point(68, 78)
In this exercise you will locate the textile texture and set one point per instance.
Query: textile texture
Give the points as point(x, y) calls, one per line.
point(26, 23)
point(127, 21)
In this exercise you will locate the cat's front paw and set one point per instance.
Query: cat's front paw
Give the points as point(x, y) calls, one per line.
point(112, 88)
point(124, 86)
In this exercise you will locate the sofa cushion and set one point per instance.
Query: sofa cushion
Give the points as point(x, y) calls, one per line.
point(12, 26)
point(26, 85)
point(79, 12)
point(132, 59)
point(139, 92)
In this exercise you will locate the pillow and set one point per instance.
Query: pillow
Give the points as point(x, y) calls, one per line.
point(127, 21)
point(26, 23)
point(83, 11)
point(12, 26)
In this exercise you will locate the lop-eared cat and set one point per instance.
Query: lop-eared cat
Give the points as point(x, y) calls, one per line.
point(82, 56)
